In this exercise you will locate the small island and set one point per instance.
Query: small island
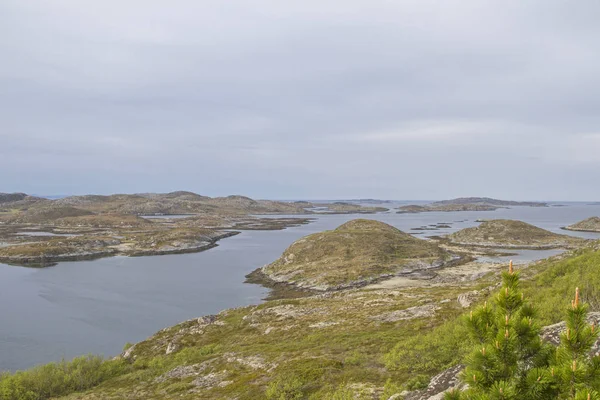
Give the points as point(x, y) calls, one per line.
point(355, 254)
point(591, 224)
point(504, 233)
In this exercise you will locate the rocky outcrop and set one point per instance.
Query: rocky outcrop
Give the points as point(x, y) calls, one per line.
point(439, 384)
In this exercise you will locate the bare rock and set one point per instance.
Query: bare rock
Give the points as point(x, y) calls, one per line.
point(171, 347)
point(551, 333)
point(466, 299)
point(425, 311)
point(439, 384)
point(183, 371)
point(211, 380)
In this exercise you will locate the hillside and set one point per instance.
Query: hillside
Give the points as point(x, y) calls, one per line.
point(354, 254)
point(503, 233)
point(18, 201)
point(587, 225)
point(362, 344)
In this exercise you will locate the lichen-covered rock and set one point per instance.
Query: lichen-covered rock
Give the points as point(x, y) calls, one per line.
point(425, 311)
point(439, 384)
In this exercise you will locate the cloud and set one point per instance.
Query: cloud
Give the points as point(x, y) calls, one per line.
point(298, 100)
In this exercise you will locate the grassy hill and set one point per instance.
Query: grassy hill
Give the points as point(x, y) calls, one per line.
point(355, 253)
point(512, 234)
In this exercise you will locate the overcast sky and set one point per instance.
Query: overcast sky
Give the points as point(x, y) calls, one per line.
point(302, 99)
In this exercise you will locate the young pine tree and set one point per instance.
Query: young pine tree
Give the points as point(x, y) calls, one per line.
point(511, 362)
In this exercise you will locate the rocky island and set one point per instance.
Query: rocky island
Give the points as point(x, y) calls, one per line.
point(362, 343)
point(355, 254)
point(504, 233)
point(591, 224)
point(467, 204)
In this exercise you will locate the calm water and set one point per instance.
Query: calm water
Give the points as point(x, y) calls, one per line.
point(97, 306)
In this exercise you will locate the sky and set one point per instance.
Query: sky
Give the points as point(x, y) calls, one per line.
point(302, 99)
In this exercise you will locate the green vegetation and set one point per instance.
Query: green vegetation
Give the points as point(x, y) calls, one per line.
point(355, 253)
point(58, 379)
point(511, 361)
point(512, 234)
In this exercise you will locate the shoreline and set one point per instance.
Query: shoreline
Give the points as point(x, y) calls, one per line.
point(51, 261)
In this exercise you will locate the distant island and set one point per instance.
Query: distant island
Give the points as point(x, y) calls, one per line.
point(467, 204)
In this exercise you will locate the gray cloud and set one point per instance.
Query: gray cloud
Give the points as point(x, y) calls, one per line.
point(392, 99)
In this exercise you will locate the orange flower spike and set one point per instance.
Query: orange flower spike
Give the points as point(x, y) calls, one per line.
point(593, 327)
point(506, 319)
point(483, 351)
point(506, 333)
point(577, 297)
point(506, 291)
point(510, 267)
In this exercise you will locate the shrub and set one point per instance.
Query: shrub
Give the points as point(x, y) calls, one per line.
point(511, 362)
point(59, 379)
